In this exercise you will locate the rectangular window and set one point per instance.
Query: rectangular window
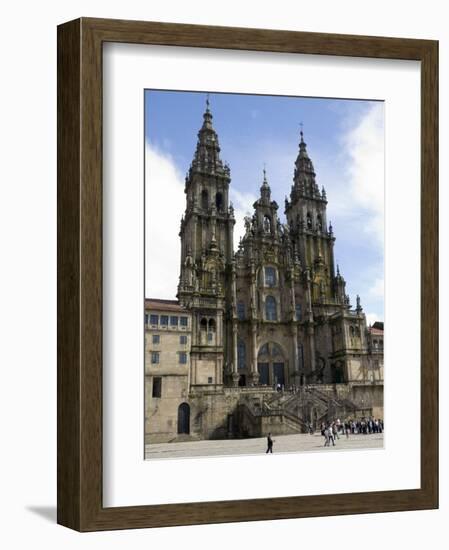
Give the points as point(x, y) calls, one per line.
point(183, 358)
point(210, 380)
point(154, 319)
point(174, 321)
point(183, 340)
point(157, 387)
point(270, 276)
point(164, 320)
point(241, 311)
point(183, 321)
point(241, 355)
point(156, 339)
point(210, 336)
point(271, 309)
point(147, 318)
point(154, 357)
point(298, 312)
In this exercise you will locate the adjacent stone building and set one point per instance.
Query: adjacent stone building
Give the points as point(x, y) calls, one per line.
point(273, 315)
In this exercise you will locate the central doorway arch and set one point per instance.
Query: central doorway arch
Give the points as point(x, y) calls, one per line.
point(271, 365)
point(184, 418)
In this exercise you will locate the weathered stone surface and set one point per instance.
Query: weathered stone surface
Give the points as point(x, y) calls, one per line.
point(272, 315)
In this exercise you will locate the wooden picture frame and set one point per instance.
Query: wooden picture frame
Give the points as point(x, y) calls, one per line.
point(80, 504)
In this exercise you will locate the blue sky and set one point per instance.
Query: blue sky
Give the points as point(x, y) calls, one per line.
point(345, 140)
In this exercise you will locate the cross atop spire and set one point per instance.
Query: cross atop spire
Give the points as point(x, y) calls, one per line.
point(207, 116)
point(264, 175)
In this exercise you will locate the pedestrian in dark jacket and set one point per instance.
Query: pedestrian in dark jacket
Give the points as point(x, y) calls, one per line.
point(269, 444)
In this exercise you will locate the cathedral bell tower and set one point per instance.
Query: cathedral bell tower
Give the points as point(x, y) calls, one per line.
point(206, 254)
point(307, 220)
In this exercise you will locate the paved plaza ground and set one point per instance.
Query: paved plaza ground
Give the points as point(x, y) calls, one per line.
point(282, 443)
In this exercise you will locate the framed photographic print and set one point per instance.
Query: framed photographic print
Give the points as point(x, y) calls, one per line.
point(247, 274)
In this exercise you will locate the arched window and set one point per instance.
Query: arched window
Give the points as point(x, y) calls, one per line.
point(204, 200)
point(270, 309)
point(309, 220)
point(270, 276)
point(271, 365)
point(219, 201)
point(241, 355)
point(275, 350)
point(211, 330)
point(264, 350)
point(298, 312)
point(241, 311)
point(203, 324)
point(319, 222)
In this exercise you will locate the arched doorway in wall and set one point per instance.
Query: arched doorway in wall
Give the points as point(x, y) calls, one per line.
point(184, 418)
point(271, 365)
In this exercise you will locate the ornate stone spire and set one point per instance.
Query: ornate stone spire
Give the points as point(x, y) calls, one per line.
point(340, 287)
point(207, 155)
point(304, 177)
point(265, 191)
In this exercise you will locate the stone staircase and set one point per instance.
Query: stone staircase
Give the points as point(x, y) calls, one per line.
point(286, 413)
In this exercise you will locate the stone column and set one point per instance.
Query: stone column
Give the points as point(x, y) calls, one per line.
point(193, 234)
point(235, 374)
point(230, 243)
point(310, 328)
point(219, 342)
point(311, 342)
point(295, 369)
point(331, 258)
point(254, 376)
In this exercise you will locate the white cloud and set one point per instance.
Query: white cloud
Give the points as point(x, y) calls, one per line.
point(355, 182)
point(371, 318)
point(164, 206)
point(377, 290)
point(364, 144)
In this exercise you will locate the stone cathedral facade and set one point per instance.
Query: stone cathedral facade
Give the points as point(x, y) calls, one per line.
point(270, 341)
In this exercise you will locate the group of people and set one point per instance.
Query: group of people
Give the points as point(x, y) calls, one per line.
point(332, 430)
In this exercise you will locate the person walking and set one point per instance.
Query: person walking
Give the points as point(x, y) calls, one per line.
point(269, 444)
point(325, 432)
point(331, 434)
point(335, 431)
